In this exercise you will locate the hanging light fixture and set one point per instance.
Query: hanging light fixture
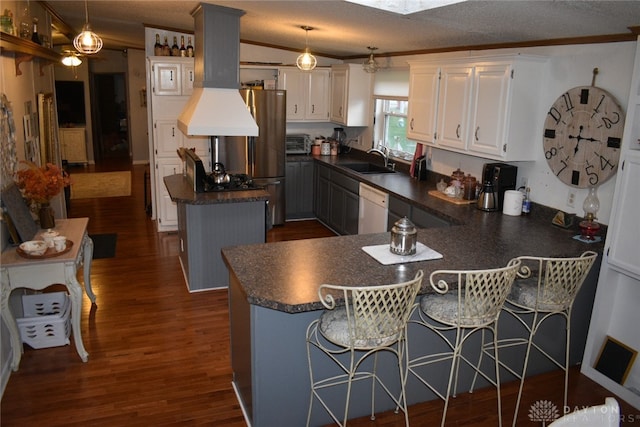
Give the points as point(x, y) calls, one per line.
point(370, 65)
point(70, 59)
point(87, 41)
point(306, 61)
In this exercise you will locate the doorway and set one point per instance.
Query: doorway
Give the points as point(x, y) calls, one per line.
point(111, 142)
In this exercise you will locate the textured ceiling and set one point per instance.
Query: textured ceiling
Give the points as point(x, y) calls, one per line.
point(344, 29)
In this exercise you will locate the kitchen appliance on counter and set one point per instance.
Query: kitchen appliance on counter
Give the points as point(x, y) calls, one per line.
point(501, 177)
point(262, 158)
point(217, 180)
point(299, 143)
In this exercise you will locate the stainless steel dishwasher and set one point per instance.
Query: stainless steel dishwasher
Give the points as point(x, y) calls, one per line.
point(372, 216)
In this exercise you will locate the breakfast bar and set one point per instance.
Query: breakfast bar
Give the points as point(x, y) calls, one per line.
point(273, 298)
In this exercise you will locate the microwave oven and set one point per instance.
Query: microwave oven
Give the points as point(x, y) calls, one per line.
point(298, 144)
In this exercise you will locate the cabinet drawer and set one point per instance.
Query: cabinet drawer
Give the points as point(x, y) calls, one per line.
point(424, 219)
point(345, 182)
point(399, 208)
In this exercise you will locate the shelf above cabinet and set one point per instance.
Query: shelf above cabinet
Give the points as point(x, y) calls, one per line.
point(26, 50)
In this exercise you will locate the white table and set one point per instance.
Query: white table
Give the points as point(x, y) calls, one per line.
point(37, 274)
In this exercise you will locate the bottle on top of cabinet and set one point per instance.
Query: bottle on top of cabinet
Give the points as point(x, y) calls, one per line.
point(166, 50)
point(189, 48)
point(175, 50)
point(183, 50)
point(157, 47)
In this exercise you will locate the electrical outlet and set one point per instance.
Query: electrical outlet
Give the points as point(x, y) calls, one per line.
point(571, 198)
point(522, 182)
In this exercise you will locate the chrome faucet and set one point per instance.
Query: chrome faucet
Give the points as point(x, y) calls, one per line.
point(384, 155)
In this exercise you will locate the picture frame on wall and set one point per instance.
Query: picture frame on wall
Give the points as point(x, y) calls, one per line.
point(615, 360)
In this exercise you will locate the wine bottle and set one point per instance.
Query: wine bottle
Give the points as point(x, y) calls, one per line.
point(189, 48)
point(34, 34)
point(166, 50)
point(157, 48)
point(175, 50)
point(183, 50)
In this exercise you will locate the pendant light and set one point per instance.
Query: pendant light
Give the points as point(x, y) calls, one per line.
point(87, 41)
point(70, 59)
point(306, 61)
point(370, 65)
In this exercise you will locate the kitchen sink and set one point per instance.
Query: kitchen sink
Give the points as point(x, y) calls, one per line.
point(367, 168)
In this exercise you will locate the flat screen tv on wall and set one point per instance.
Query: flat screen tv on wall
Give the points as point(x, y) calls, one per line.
point(70, 103)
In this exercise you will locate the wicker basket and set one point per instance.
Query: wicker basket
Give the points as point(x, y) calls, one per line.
point(46, 321)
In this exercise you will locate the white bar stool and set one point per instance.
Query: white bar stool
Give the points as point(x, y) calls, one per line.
point(372, 319)
point(545, 287)
point(457, 311)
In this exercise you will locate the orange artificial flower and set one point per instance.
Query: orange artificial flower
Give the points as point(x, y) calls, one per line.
point(40, 184)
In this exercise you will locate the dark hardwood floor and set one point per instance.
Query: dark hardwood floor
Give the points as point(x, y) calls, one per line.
point(159, 355)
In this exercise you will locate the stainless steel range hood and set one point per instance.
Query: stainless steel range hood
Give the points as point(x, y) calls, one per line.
point(216, 107)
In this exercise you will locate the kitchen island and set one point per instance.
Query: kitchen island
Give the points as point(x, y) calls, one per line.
point(210, 221)
point(273, 297)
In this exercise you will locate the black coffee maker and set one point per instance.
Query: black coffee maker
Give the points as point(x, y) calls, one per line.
point(502, 177)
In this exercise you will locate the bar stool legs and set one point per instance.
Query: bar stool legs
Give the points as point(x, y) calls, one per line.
point(372, 320)
point(472, 303)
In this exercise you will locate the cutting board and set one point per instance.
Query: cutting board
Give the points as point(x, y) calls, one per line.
point(454, 200)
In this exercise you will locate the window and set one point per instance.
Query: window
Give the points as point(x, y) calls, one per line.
point(390, 127)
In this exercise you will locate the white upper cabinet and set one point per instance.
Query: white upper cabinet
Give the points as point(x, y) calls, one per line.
point(424, 82)
point(486, 107)
point(453, 106)
point(307, 94)
point(173, 76)
point(350, 95)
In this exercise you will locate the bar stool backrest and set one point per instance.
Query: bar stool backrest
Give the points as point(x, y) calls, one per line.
point(480, 293)
point(559, 279)
point(373, 312)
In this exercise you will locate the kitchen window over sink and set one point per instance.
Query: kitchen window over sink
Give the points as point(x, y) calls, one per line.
point(390, 127)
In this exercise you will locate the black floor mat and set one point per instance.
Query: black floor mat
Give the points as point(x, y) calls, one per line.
point(104, 245)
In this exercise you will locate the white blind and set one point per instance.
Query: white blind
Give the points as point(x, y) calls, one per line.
point(393, 83)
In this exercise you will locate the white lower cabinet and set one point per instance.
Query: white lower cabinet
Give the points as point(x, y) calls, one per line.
point(73, 145)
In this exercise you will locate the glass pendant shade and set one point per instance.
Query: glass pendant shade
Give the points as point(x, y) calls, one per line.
point(370, 65)
point(306, 61)
point(87, 41)
point(591, 204)
point(70, 60)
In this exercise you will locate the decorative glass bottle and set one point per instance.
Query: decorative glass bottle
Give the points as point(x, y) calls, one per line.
point(189, 48)
point(589, 227)
point(157, 48)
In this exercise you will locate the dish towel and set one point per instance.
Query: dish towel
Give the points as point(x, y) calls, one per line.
point(416, 155)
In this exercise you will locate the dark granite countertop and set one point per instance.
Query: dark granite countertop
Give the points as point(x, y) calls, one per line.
point(285, 275)
point(181, 191)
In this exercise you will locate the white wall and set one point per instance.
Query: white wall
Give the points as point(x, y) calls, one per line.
point(568, 66)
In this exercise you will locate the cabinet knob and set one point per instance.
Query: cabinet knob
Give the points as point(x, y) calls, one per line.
point(458, 132)
point(476, 134)
point(411, 123)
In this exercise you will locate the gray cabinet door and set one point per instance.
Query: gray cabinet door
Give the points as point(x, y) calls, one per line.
point(322, 198)
point(300, 190)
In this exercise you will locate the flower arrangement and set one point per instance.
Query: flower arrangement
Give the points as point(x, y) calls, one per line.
point(40, 184)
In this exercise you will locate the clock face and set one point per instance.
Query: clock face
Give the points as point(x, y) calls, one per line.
point(582, 136)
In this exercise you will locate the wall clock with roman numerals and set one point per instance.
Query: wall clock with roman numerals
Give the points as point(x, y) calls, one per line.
point(582, 136)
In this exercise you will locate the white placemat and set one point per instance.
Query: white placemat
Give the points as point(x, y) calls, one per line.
point(383, 255)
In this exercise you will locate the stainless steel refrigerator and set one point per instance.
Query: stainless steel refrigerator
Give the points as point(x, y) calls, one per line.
point(262, 157)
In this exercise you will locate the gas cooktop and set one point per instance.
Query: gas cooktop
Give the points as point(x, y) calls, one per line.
point(237, 182)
